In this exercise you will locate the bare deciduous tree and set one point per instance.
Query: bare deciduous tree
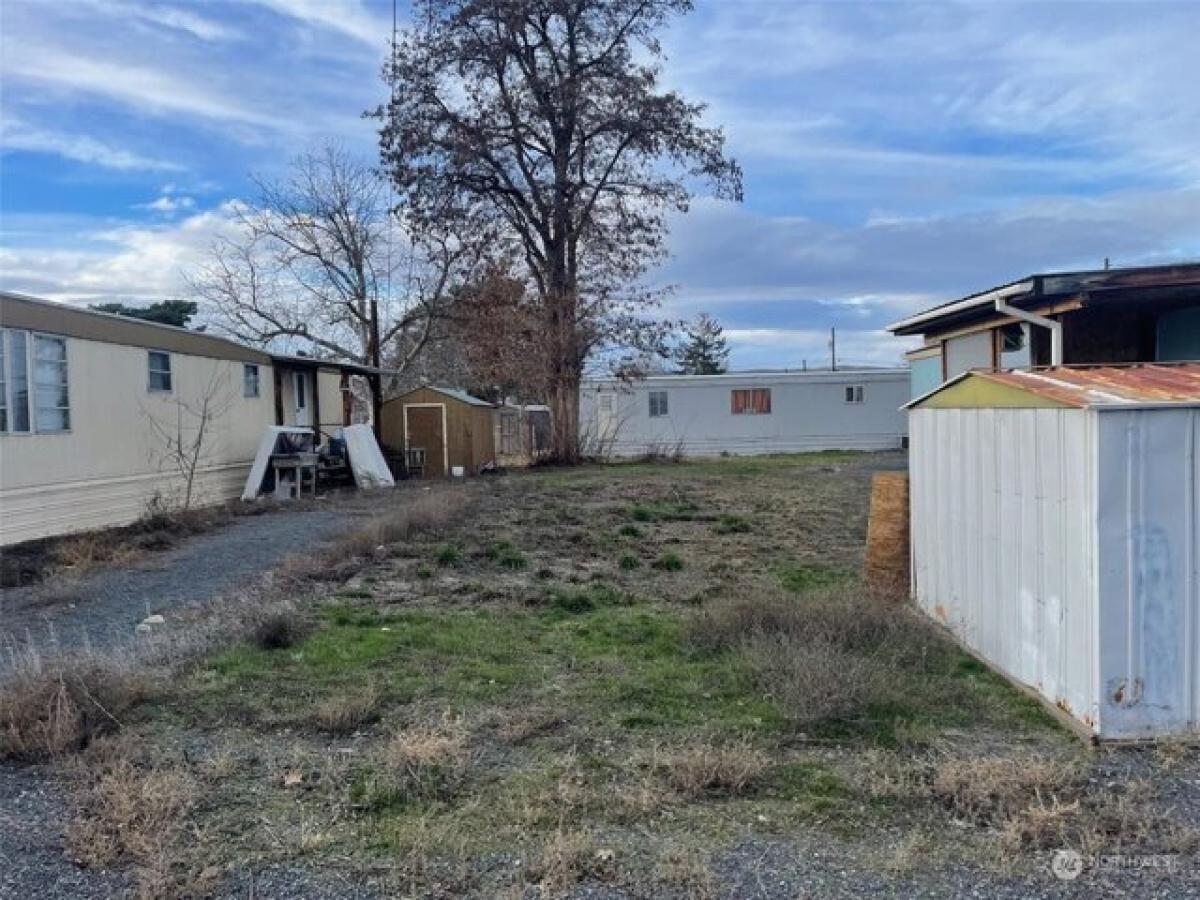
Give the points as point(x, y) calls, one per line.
point(545, 118)
point(321, 260)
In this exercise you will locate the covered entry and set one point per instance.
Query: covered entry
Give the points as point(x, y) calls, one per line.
point(436, 430)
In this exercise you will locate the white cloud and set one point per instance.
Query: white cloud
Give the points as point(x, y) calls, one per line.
point(167, 16)
point(142, 87)
point(16, 135)
point(168, 204)
point(350, 17)
point(122, 262)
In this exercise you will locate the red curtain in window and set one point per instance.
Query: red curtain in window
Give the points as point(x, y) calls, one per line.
point(756, 401)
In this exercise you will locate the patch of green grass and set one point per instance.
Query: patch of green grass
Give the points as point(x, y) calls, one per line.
point(806, 577)
point(613, 661)
point(629, 561)
point(423, 571)
point(668, 562)
point(448, 555)
point(629, 530)
point(681, 511)
point(495, 549)
point(512, 559)
point(732, 524)
point(811, 784)
point(354, 595)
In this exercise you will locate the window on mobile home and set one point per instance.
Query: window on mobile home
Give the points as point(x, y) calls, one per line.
point(159, 367)
point(33, 383)
point(750, 402)
point(854, 393)
point(658, 404)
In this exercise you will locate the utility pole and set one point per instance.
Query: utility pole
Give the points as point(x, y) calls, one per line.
point(833, 349)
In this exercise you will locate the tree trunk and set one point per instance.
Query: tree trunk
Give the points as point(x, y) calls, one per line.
point(564, 415)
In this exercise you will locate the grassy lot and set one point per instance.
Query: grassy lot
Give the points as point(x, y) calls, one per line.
point(605, 675)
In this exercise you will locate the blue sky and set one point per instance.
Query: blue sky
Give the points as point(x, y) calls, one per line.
point(896, 154)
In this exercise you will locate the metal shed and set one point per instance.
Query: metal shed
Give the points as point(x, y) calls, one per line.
point(440, 429)
point(1056, 532)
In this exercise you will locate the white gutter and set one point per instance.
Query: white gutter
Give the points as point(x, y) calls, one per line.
point(1056, 333)
point(973, 302)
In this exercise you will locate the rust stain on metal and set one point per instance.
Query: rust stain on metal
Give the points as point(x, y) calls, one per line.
point(1084, 386)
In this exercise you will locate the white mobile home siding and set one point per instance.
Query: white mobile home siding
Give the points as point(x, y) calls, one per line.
point(111, 463)
point(809, 412)
point(1061, 546)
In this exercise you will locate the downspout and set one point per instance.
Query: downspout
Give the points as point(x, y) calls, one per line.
point(1056, 333)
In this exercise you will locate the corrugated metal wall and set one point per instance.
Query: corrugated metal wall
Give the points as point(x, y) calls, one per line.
point(1149, 584)
point(1063, 546)
point(1002, 541)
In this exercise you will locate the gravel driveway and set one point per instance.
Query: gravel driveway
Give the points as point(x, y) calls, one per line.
point(105, 607)
point(101, 610)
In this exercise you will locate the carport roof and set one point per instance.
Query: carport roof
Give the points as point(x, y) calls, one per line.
point(1150, 384)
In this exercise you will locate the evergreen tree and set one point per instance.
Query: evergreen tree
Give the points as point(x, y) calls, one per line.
point(704, 350)
point(166, 312)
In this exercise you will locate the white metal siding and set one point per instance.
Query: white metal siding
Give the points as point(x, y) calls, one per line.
point(1001, 545)
point(1149, 585)
point(808, 412)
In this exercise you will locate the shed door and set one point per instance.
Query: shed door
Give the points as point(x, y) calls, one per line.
point(426, 439)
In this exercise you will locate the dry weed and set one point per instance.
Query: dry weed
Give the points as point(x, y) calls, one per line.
point(421, 762)
point(988, 790)
point(345, 713)
point(686, 872)
point(129, 811)
point(50, 709)
point(564, 860)
point(729, 770)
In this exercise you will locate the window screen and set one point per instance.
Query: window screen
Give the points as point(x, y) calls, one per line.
point(658, 404)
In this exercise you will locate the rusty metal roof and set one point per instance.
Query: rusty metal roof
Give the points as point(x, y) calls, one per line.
point(1085, 386)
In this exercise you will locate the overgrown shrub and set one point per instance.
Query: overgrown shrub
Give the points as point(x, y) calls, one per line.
point(279, 630)
point(344, 714)
point(629, 562)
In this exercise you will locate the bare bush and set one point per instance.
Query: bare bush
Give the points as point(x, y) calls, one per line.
point(704, 768)
point(813, 679)
point(280, 629)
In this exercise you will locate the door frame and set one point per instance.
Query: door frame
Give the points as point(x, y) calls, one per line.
point(445, 432)
point(300, 376)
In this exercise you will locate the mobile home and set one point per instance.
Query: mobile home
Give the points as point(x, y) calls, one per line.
point(95, 410)
point(745, 413)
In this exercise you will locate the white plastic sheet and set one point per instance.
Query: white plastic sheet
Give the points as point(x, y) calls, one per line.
point(366, 459)
point(262, 458)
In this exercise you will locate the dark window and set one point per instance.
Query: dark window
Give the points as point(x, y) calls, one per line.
point(249, 380)
point(658, 404)
point(160, 370)
point(854, 393)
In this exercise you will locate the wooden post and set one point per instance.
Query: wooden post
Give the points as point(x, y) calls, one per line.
point(886, 566)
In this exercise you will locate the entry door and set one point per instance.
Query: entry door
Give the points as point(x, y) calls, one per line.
point(300, 391)
point(606, 419)
point(423, 432)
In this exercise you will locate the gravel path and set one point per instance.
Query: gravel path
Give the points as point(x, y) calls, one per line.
point(104, 608)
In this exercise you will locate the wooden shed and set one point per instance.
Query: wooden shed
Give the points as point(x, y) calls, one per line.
point(439, 429)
